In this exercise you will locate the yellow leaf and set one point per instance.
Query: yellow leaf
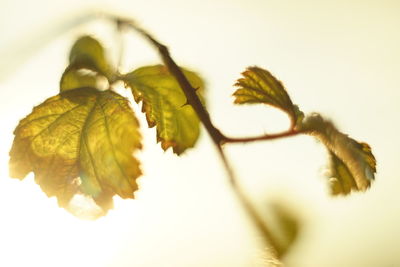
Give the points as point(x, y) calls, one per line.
point(260, 86)
point(79, 142)
point(352, 165)
point(73, 78)
point(164, 104)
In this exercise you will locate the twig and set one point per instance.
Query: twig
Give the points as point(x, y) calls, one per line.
point(258, 221)
point(262, 137)
point(189, 91)
point(218, 138)
point(120, 46)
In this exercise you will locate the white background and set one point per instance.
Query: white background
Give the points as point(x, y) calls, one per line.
point(340, 58)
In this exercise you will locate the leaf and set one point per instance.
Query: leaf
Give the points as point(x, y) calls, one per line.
point(352, 164)
point(341, 180)
point(164, 104)
point(79, 142)
point(87, 52)
point(72, 79)
point(260, 86)
point(288, 227)
point(87, 65)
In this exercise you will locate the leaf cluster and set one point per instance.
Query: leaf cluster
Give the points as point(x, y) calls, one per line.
point(352, 164)
point(84, 140)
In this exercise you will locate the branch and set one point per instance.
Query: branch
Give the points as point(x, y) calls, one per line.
point(120, 41)
point(265, 137)
point(189, 91)
point(275, 247)
point(217, 137)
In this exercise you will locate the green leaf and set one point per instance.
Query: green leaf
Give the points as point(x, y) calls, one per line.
point(164, 104)
point(74, 78)
point(260, 86)
point(341, 180)
point(87, 65)
point(88, 53)
point(288, 227)
point(79, 142)
point(352, 164)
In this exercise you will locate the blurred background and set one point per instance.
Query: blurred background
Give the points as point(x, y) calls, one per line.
point(339, 58)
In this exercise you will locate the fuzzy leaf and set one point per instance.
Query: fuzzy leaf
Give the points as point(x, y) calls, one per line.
point(341, 180)
point(79, 142)
point(260, 86)
point(352, 164)
point(164, 105)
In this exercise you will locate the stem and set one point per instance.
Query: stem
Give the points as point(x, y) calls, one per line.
point(190, 92)
point(120, 41)
point(265, 137)
point(217, 137)
point(258, 221)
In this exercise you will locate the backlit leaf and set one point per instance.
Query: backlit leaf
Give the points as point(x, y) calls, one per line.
point(164, 105)
point(79, 142)
point(260, 86)
point(88, 53)
point(341, 180)
point(87, 65)
point(352, 166)
point(288, 227)
point(74, 78)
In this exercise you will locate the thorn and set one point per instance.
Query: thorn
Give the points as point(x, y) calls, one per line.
point(186, 104)
point(197, 88)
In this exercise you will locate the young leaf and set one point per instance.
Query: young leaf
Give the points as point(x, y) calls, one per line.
point(288, 228)
point(164, 104)
point(341, 180)
point(79, 142)
point(72, 79)
point(352, 163)
point(260, 86)
point(87, 52)
point(87, 63)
